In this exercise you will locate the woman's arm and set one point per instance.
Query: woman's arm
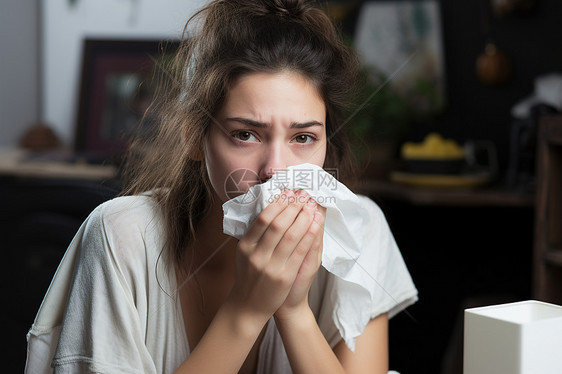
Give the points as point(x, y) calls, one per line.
point(307, 349)
point(309, 352)
point(371, 349)
point(226, 343)
point(268, 259)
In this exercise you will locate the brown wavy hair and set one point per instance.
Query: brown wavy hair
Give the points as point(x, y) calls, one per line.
point(221, 42)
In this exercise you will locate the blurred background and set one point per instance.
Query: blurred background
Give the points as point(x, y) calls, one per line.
point(447, 131)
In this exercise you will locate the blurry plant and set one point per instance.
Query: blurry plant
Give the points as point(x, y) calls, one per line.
point(383, 114)
point(380, 111)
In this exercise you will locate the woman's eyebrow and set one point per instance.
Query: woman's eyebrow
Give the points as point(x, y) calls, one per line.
point(248, 122)
point(294, 125)
point(302, 125)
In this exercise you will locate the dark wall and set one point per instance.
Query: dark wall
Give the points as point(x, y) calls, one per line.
point(459, 257)
point(532, 40)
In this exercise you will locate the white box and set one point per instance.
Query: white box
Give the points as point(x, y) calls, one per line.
point(516, 338)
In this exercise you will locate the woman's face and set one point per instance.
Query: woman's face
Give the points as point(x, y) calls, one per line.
point(268, 122)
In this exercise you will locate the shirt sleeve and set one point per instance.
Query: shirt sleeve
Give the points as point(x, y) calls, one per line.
point(101, 331)
point(395, 289)
point(382, 262)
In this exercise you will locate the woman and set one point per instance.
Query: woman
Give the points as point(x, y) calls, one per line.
point(150, 284)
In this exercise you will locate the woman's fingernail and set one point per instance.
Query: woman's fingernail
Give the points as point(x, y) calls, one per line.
point(311, 204)
point(302, 193)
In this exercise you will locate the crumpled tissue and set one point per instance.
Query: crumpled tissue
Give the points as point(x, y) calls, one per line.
point(344, 237)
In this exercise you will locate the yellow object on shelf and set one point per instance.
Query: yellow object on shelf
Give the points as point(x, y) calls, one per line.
point(434, 146)
point(428, 180)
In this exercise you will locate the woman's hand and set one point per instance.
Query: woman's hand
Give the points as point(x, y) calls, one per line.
point(297, 300)
point(278, 256)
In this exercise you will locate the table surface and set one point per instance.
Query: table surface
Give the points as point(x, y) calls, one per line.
point(489, 195)
point(22, 163)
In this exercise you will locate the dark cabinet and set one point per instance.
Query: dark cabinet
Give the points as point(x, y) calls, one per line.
point(547, 262)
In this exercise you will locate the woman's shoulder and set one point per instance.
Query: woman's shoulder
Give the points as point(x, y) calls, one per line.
point(128, 205)
point(125, 233)
point(125, 222)
point(128, 210)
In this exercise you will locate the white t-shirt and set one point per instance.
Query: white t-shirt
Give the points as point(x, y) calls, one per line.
point(112, 305)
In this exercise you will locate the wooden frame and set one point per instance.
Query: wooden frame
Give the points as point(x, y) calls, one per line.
point(116, 87)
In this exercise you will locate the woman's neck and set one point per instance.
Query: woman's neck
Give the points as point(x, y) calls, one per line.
point(213, 250)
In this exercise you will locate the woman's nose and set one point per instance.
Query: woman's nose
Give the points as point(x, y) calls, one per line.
point(274, 159)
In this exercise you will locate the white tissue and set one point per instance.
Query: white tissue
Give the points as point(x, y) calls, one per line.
point(548, 90)
point(344, 238)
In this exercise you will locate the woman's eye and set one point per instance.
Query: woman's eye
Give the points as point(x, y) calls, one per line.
point(303, 139)
point(244, 136)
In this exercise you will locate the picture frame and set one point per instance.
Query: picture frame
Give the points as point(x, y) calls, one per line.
point(117, 86)
point(401, 44)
